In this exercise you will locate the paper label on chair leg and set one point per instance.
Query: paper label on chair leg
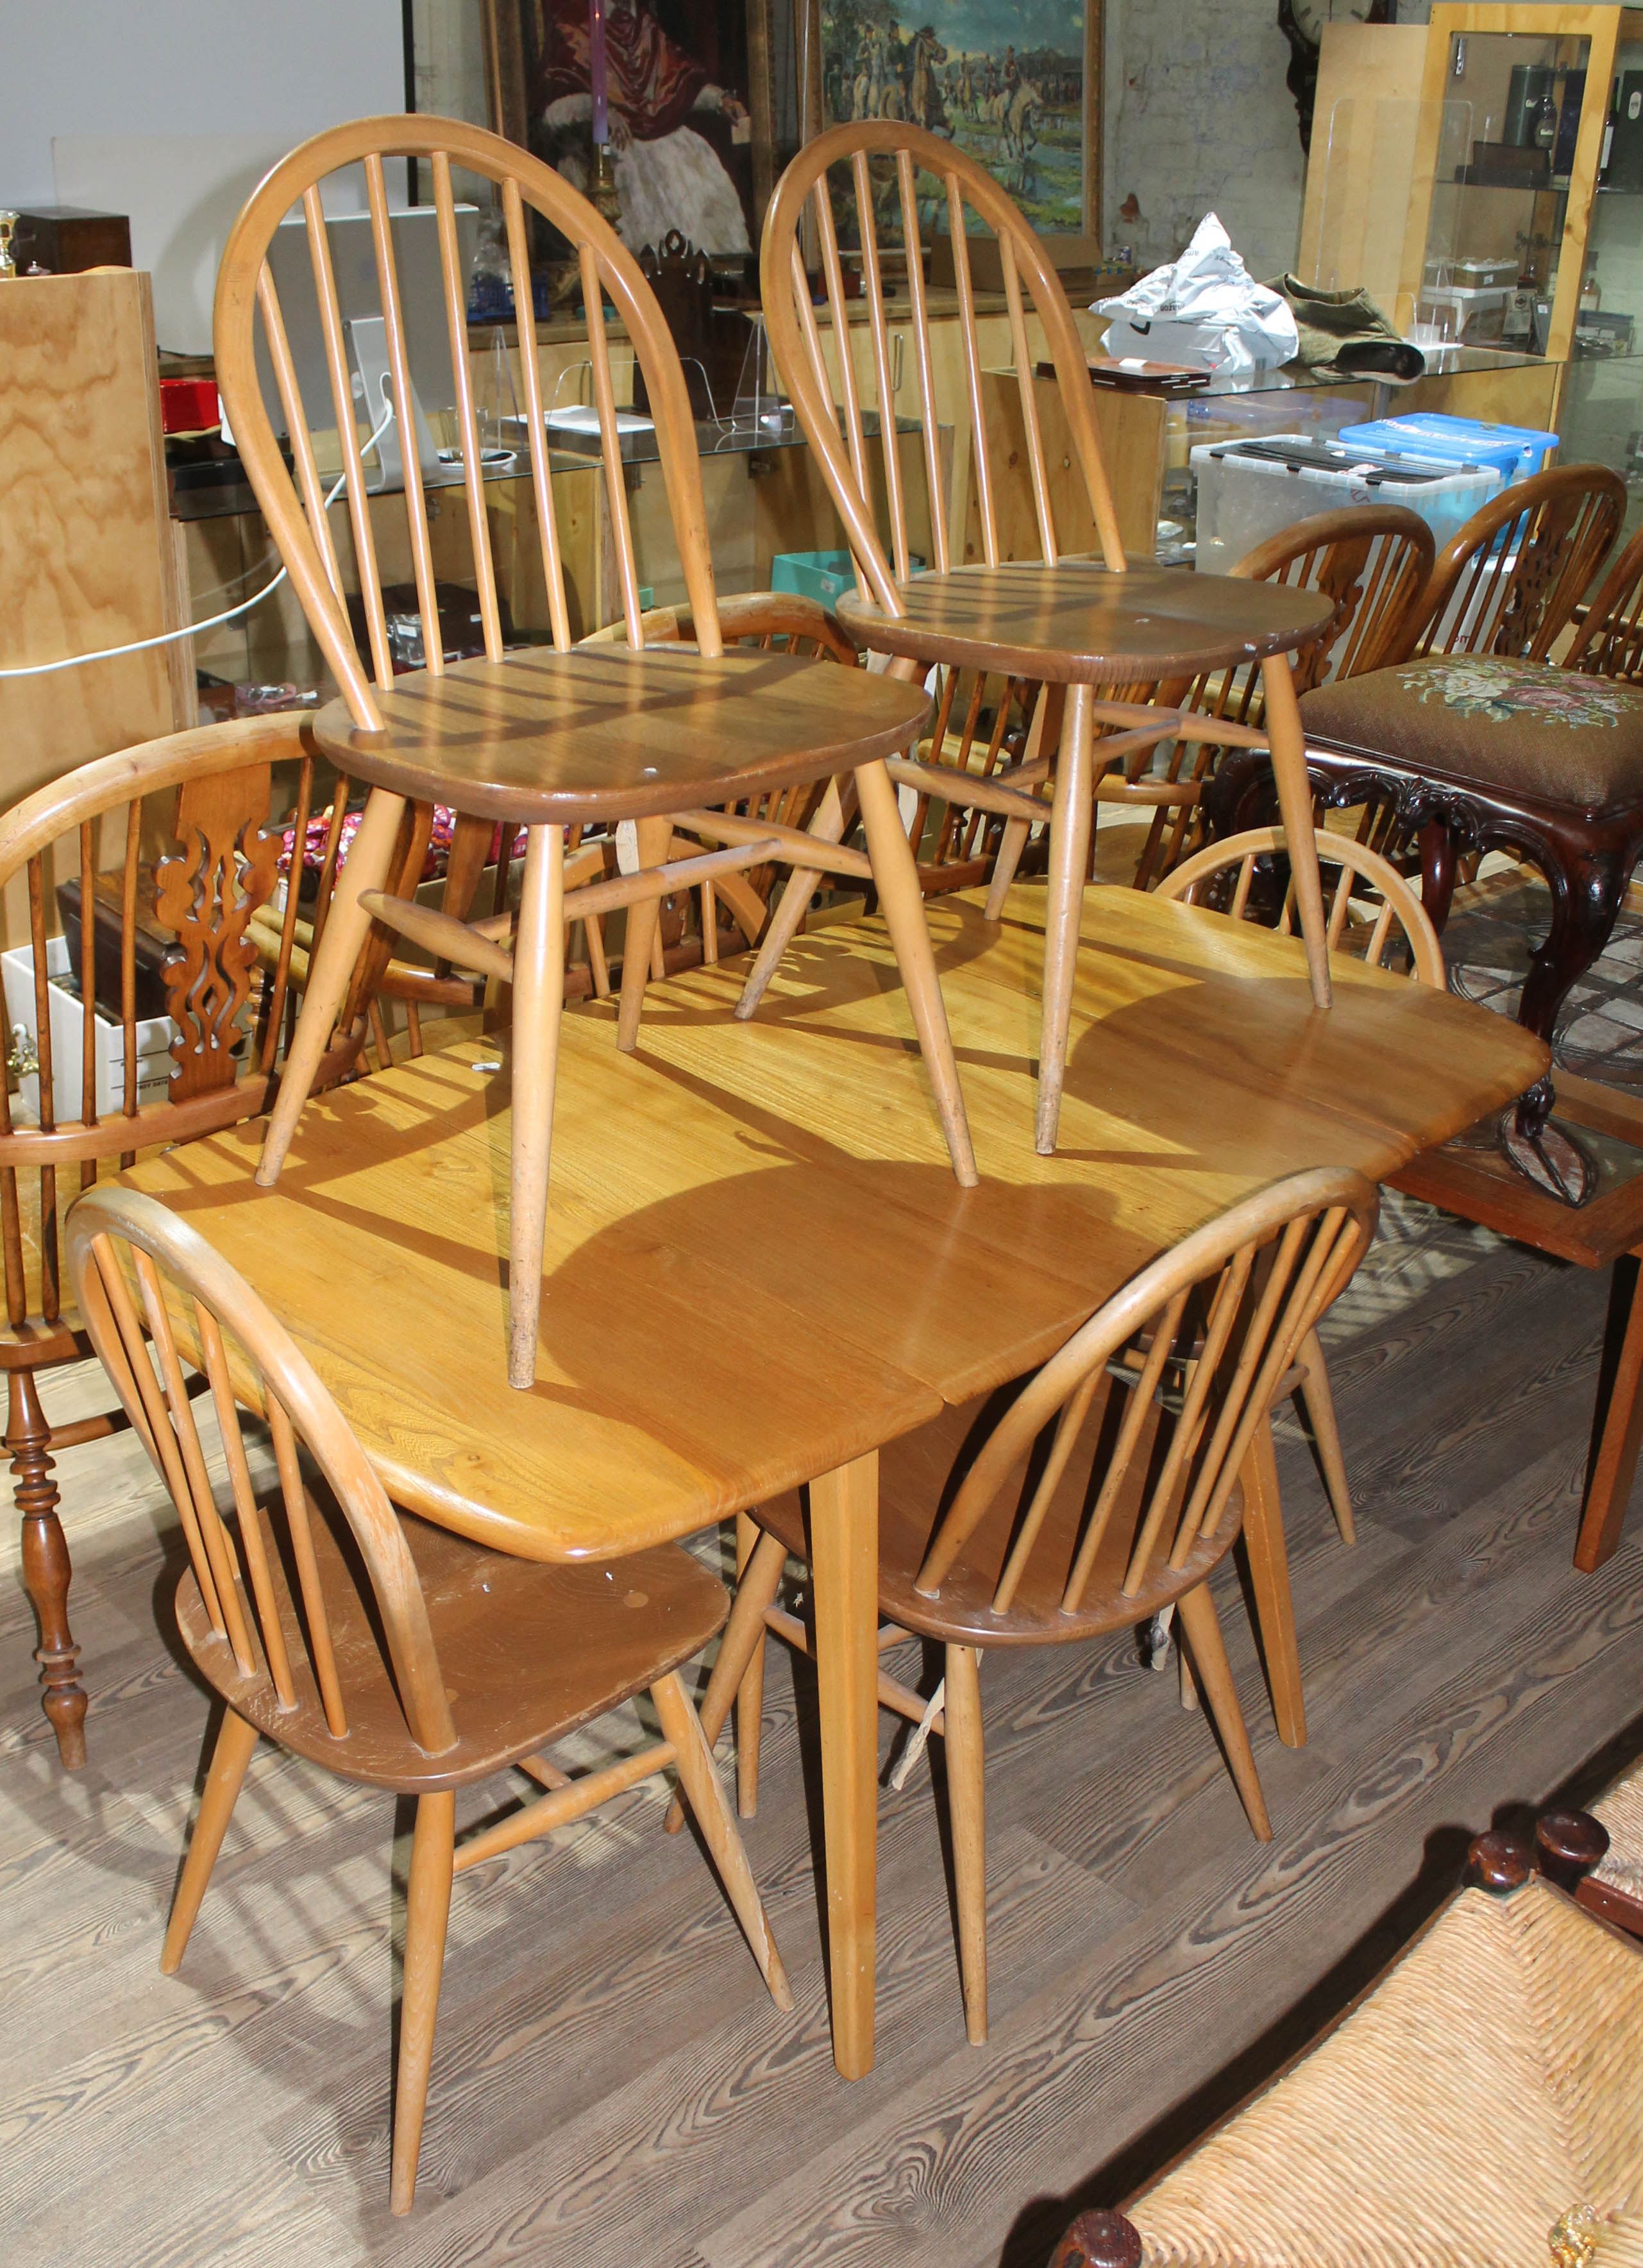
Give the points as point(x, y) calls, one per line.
point(628, 846)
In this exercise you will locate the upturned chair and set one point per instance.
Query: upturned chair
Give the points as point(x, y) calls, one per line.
point(547, 738)
point(1374, 564)
point(1067, 625)
point(395, 1655)
point(168, 845)
point(996, 1528)
point(1371, 911)
point(1473, 740)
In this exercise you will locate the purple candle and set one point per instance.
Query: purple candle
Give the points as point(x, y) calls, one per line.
point(596, 69)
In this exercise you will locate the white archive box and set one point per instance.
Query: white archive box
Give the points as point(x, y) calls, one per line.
point(154, 1036)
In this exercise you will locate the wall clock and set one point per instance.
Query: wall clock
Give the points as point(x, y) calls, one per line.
point(1302, 23)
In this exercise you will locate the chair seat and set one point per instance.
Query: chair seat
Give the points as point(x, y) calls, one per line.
point(1078, 623)
point(529, 1651)
point(917, 1474)
point(542, 738)
point(1491, 723)
point(1483, 2089)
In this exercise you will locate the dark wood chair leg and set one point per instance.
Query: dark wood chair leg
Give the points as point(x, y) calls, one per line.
point(1436, 872)
point(47, 1572)
point(1617, 1424)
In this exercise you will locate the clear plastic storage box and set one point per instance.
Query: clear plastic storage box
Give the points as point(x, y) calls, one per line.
point(1516, 450)
point(1250, 489)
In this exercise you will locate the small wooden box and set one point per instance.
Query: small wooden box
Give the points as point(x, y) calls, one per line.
point(66, 240)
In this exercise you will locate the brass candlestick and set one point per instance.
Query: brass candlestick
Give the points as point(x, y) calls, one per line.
point(603, 189)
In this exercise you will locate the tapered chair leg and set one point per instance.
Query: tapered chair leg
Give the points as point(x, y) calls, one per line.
point(1319, 1404)
point(1045, 728)
point(967, 1807)
point(750, 1693)
point(428, 1910)
point(346, 929)
point(538, 1006)
point(895, 878)
point(235, 1744)
point(1281, 719)
point(743, 1639)
point(1202, 1630)
point(1071, 818)
point(1269, 1578)
point(791, 908)
point(704, 1792)
point(642, 938)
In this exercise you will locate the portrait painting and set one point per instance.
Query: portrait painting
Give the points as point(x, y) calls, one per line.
point(1003, 80)
point(678, 93)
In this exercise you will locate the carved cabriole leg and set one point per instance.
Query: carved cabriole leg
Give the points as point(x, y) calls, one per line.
point(1436, 872)
point(47, 1572)
point(1586, 895)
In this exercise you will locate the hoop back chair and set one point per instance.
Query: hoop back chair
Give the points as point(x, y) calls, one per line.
point(546, 739)
point(999, 1529)
point(1076, 625)
point(203, 798)
point(1372, 911)
point(1473, 740)
point(1374, 564)
point(395, 1655)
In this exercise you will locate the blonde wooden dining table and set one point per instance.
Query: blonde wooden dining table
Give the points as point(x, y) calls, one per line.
point(759, 1267)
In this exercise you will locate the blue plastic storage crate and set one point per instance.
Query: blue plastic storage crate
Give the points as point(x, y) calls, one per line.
point(1515, 451)
point(822, 575)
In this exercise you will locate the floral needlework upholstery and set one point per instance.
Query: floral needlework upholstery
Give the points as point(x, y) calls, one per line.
point(1491, 722)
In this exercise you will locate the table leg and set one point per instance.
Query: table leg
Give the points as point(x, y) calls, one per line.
point(844, 1573)
point(1269, 1575)
point(828, 826)
point(642, 934)
point(1281, 716)
point(895, 878)
point(328, 973)
point(1071, 819)
point(538, 1003)
point(1617, 1426)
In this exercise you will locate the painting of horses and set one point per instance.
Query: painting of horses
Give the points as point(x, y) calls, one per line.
point(1003, 80)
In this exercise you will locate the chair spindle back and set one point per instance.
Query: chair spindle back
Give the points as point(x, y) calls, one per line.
point(1231, 863)
point(295, 502)
point(1509, 581)
point(843, 170)
point(209, 793)
point(1209, 1330)
point(154, 1296)
point(1609, 642)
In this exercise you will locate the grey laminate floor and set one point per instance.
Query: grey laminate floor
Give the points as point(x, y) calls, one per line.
point(611, 2085)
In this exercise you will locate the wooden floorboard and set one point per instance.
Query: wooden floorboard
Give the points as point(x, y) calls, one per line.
point(611, 2083)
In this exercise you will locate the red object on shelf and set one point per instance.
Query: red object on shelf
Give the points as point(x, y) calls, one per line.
point(189, 405)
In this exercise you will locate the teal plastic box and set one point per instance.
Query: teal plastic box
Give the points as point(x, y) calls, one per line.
point(822, 575)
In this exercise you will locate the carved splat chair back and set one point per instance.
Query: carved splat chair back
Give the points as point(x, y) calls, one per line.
point(1609, 640)
point(1202, 1339)
point(869, 174)
point(1374, 564)
point(248, 307)
point(156, 1298)
point(1371, 909)
point(203, 798)
point(1509, 582)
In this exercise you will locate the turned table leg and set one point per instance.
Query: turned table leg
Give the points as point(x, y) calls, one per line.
point(47, 1572)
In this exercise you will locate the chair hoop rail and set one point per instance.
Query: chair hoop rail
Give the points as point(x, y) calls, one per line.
point(1400, 903)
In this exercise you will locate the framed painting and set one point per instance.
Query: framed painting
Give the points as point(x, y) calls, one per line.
point(1014, 84)
point(689, 110)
